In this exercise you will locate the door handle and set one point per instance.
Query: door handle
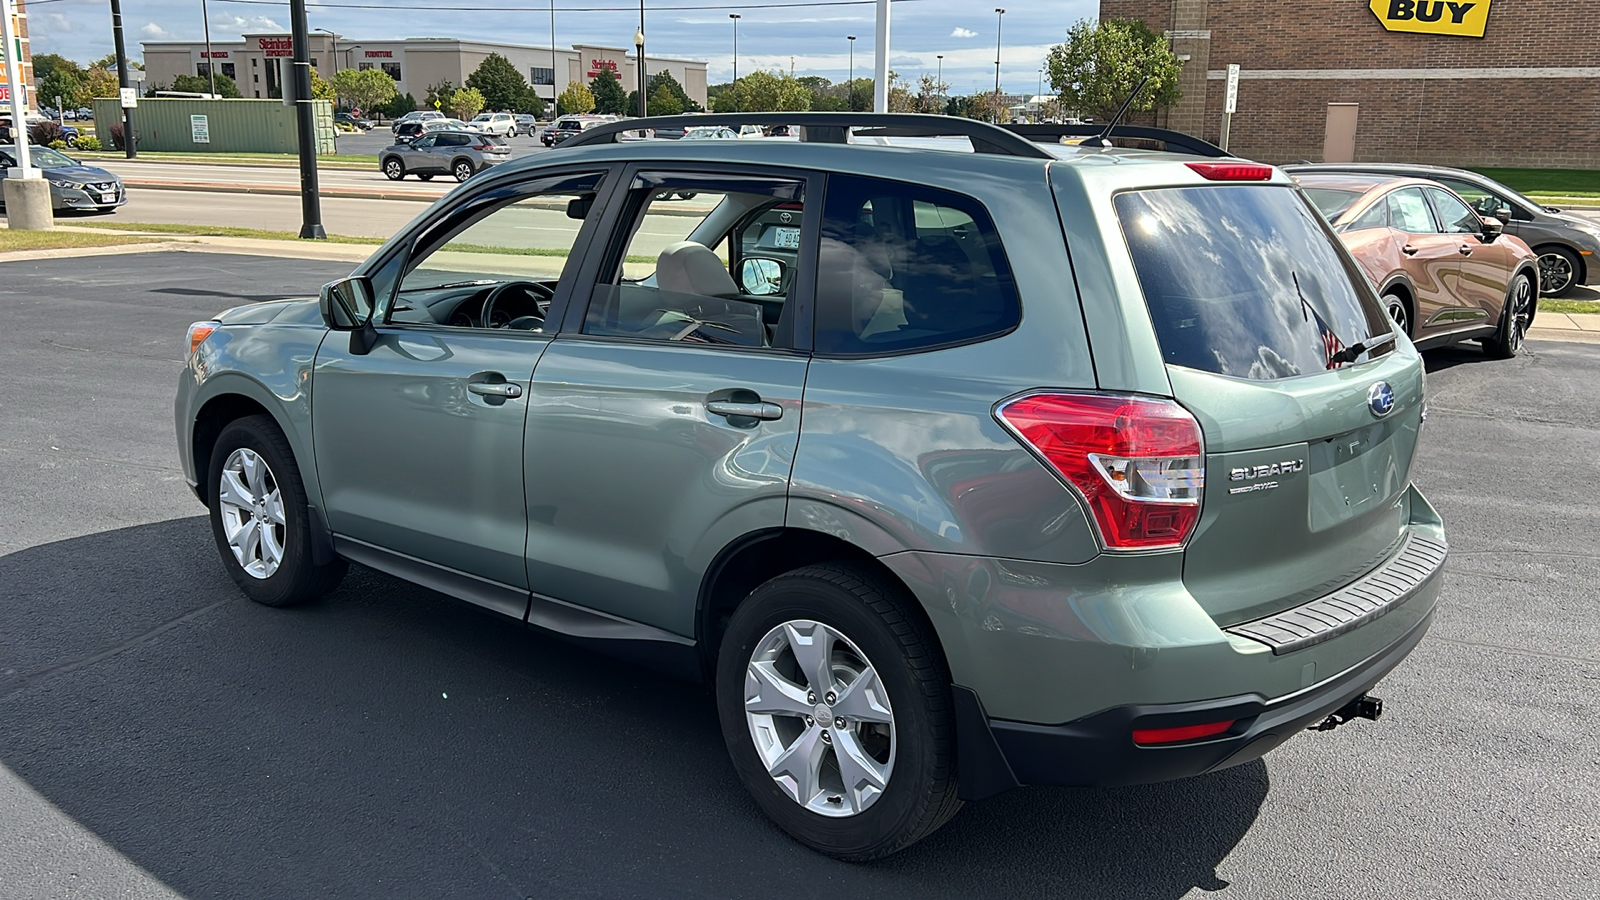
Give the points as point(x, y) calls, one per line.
point(1409, 250)
point(753, 410)
point(1466, 249)
point(486, 389)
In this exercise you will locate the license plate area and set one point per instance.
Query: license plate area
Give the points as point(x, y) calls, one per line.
point(1353, 473)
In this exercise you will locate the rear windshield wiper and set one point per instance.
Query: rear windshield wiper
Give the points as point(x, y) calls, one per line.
point(1333, 346)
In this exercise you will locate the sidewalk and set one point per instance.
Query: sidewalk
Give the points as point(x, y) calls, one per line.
point(194, 243)
point(1580, 328)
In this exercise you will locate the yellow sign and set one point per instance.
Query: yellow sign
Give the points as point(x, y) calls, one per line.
point(1466, 18)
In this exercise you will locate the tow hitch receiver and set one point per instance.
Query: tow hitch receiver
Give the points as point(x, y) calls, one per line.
point(1362, 707)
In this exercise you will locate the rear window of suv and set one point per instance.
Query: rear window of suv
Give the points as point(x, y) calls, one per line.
point(1246, 281)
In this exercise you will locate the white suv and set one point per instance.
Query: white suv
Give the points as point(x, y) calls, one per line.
point(502, 124)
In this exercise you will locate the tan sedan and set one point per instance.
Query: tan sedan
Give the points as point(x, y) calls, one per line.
point(1446, 274)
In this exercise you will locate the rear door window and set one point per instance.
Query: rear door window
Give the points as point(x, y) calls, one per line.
point(1247, 281)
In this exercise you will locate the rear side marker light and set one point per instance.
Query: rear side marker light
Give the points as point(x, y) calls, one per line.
point(1217, 171)
point(1180, 733)
point(198, 332)
point(1136, 461)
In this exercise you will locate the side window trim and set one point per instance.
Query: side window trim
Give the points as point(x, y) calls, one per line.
point(438, 232)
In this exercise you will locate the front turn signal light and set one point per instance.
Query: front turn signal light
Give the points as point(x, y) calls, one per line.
point(198, 332)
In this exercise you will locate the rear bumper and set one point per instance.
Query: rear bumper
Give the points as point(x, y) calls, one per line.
point(1099, 750)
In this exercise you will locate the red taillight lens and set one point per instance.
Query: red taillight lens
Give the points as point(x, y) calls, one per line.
point(1137, 461)
point(198, 332)
point(1216, 171)
point(1181, 733)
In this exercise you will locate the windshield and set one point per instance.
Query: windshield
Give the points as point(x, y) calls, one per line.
point(1245, 280)
point(45, 158)
point(1332, 203)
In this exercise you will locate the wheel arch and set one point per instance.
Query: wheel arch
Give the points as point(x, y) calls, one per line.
point(209, 421)
point(1581, 276)
point(1530, 268)
point(463, 159)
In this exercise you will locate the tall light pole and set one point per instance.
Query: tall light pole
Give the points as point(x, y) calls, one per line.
point(938, 81)
point(999, 17)
point(554, 91)
point(638, 41)
point(335, 51)
point(211, 61)
point(305, 123)
point(735, 17)
point(850, 86)
point(880, 68)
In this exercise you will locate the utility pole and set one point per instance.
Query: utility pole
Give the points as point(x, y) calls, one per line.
point(1000, 15)
point(122, 79)
point(306, 123)
point(850, 86)
point(638, 41)
point(554, 91)
point(211, 61)
point(880, 69)
point(735, 17)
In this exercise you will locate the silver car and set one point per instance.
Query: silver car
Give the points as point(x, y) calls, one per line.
point(459, 153)
point(73, 185)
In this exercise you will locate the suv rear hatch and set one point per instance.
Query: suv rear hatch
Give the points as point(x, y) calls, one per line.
point(1277, 345)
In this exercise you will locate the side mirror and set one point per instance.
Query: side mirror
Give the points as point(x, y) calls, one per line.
point(347, 304)
point(760, 276)
point(1504, 213)
point(1492, 228)
point(578, 207)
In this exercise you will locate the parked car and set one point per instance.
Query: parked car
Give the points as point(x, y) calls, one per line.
point(710, 133)
point(458, 153)
point(944, 497)
point(526, 123)
point(351, 120)
point(1444, 272)
point(416, 115)
point(73, 185)
point(502, 124)
point(567, 126)
point(1568, 245)
point(406, 132)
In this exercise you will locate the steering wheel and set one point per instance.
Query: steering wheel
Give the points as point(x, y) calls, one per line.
point(495, 315)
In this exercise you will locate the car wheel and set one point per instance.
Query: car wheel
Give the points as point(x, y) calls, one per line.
point(394, 169)
point(1558, 271)
point(462, 169)
point(835, 706)
point(72, 142)
point(260, 519)
point(513, 132)
point(424, 176)
point(1516, 314)
point(1399, 312)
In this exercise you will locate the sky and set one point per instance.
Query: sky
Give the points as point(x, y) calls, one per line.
point(771, 34)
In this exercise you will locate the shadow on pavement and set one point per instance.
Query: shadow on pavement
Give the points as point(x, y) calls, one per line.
point(389, 741)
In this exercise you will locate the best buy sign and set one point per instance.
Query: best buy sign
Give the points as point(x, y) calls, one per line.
point(1466, 18)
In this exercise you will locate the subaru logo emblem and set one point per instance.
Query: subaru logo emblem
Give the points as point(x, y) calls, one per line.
point(1380, 399)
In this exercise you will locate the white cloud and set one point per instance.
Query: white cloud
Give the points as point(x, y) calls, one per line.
point(152, 30)
point(906, 61)
point(963, 33)
point(241, 24)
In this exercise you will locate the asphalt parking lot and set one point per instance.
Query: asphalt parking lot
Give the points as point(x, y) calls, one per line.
point(161, 735)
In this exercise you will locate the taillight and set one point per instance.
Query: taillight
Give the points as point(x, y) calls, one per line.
point(1219, 171)
point(1180, 733)
point(1136, 460)
point(198, 332)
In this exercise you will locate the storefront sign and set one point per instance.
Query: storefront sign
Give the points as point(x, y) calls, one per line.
point(215, 54)
point(595, 65)
point(1465, 18)
point(5, 94)
point(379, 54)
point(276, 46)
point(199, 129)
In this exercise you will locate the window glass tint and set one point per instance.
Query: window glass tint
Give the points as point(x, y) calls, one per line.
point(673, 281)
point(1455, 215)
point(1332, 203)
point(1376, 216)
point(1408, 212)
point(1245, 281)
point(1483, 201)
point(902, 266)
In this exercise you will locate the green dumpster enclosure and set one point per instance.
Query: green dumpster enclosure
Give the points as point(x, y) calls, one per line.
point(218, 126)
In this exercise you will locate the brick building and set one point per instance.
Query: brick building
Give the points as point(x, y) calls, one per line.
point(1526, 93)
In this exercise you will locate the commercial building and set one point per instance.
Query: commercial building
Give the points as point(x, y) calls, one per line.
point(1466, 83)
point(19, 30)
point(259, 62)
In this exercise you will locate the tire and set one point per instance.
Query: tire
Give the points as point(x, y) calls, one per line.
point(1558, 271)
point(1399, 312)
point(1516, 314)
point(513, 132)
point(876, 633)
point(462, 169)
point(394, 169)
point(424, 176)
point(72, 142)
point(295, 578)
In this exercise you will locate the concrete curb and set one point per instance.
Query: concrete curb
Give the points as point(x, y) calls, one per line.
point(77, 252)
point(244, 164)
point(1580, 328)
point(284, 191)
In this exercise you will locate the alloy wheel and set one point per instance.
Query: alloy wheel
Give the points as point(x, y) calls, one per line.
point(252, 513)
point(820, 718)
point(1521, 314)
point(1397, 312)
point(393, 169)
point(463, 171)
point(1555, 273)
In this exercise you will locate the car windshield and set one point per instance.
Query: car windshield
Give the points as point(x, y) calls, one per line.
point(45, 158)
point(483, 117)
point(1332, 203)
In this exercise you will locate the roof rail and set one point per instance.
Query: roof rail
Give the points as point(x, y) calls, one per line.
point(1175, 141)
point(834, 128)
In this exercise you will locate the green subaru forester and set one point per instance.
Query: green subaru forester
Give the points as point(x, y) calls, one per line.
point(957, 461)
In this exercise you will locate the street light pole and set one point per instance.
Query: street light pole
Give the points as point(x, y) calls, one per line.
point(554, 91)
point(850, 86)
point(735, 17)
point(335, 48)
point(938, 81)
point(999, 17)
point(211, 61)
point(638, 41)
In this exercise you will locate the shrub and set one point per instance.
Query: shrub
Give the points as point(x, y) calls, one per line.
point(117, 136)
point(58, 145)
point(88, 142)
point(46, 133)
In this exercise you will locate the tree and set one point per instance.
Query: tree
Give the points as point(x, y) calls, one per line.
point(438, 96)
point(320, 88)
point(663, 102)
point(816, 84)
point(575, 100)
point(399, 104)
point(828, 103)
point(98, 83)
point(364, 89)
point(109, 61)
point(765, 92)
point(531, 103)
point(465, 103)
point(44, 64)
point(930, 95)
point(665, 79)
point(498, 81)
point(900, 99)
point(1099, 65)
point(61, 82)
point(201, 84)
point(609, 97)
point(858, 94)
